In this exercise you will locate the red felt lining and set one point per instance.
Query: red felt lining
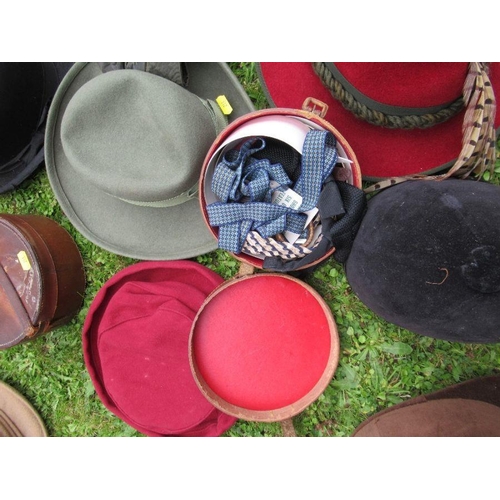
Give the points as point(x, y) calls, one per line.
point(261, 343)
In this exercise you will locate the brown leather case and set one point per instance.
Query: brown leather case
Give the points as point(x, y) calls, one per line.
point(42, 280)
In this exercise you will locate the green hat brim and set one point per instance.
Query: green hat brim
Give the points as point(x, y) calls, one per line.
point(139, 232)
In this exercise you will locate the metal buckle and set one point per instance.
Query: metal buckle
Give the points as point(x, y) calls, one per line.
point(315, 106)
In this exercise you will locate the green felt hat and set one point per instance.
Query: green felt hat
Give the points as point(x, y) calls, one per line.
point(124, 148)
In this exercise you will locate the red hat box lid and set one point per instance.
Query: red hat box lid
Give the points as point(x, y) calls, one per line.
point(263, 347)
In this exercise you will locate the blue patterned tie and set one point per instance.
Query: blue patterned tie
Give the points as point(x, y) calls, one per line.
point(241, 183)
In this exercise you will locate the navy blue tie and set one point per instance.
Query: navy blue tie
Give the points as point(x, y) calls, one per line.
point(242, 184)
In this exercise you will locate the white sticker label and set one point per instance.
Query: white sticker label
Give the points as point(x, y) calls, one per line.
point(288, 198)
point(291, 199)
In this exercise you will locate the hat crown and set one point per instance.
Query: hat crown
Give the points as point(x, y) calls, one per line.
point(446, 417)
point(481, 272)
point(135, 346)
point(426, 258)
point(137, 136)
point(403, 84)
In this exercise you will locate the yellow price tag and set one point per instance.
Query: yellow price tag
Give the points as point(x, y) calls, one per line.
point(24, 260)
point(224, 104)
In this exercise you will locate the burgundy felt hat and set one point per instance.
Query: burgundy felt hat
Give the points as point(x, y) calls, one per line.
point(410, 95)
point(468, 409)
point(135, 346)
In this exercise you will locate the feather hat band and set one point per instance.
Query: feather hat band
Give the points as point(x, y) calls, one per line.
point(403, 120)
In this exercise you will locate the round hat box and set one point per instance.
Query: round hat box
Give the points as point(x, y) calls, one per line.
point(42, 279)
point(283, 124)
point(263, 347)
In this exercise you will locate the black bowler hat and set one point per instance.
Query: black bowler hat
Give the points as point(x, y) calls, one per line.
point(427, 258)
point(26, 90)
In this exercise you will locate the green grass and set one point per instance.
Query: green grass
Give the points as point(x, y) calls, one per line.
point(380, 364)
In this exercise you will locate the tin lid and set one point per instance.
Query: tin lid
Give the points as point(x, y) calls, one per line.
point(20, 286)
point(263, 347)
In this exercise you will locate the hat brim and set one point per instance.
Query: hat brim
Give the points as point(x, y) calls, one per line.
point(22, 417)
point(54, 73)
point(381, 152)
point(13, 178)
point(180, 409)
point(482, 389)
point(138, 232)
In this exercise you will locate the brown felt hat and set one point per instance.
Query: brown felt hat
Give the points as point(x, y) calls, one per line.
point(17, 417)
point(469, 409)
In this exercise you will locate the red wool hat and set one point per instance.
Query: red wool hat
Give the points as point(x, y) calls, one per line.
point(397, 94)
point(135, 346)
